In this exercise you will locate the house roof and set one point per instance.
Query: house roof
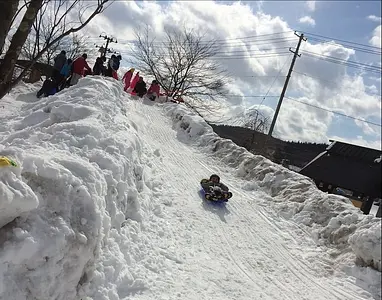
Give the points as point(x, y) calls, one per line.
point(353, 151)
point(348, 166)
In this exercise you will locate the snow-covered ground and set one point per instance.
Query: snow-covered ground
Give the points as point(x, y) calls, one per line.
point(105, 205)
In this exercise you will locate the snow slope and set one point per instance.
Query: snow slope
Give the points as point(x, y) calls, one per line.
point(105, 205)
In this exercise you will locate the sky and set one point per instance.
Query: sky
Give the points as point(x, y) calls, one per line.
point(316, 82)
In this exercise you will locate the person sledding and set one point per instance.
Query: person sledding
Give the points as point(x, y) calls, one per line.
point(215, 190)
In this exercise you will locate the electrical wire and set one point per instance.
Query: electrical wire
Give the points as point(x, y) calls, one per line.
point(329, 81)
point(341, 60)
point(342, 41)
point(334, 112)
point(356, 66)
point(221, 41)
point(286, 60)
point(359, 49)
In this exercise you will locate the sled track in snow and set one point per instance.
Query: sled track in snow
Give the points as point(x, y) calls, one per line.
point(248, 240)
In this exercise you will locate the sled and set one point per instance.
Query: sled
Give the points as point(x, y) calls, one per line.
point(210, 197)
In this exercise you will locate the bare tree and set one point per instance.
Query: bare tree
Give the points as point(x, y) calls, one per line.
point(183, 64)
point(7, 12)
point(74, 45)
point(44, 30)
point(257, 123)
point(63, 25)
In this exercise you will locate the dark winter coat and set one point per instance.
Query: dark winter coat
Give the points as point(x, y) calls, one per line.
point(48, 88)
point(98, 68)
point(59, 61)
point(140, 88)
point(206, 184)
point(116, 63)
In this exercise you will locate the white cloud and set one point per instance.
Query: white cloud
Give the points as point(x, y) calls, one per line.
point(376, 39)
point(311, 5)
point(307, 20)
point(326, 85)
point(374, 18)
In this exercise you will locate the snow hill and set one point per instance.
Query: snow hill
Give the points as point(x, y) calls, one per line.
point(104, 205)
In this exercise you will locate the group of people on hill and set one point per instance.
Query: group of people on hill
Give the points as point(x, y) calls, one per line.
point(67, 72)
point(137, 86)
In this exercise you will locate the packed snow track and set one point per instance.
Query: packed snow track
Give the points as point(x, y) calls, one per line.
point(224, 252)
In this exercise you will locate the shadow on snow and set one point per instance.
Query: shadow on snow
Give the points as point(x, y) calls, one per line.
point(219, 209)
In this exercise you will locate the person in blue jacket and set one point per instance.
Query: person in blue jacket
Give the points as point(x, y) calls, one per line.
point(65, 72)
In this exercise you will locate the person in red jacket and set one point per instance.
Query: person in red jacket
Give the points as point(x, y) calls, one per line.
point(154, 90)
point(134, 81)
point(127, 78)
point(79, 66)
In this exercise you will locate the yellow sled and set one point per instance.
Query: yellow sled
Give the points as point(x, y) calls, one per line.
point(6, 162)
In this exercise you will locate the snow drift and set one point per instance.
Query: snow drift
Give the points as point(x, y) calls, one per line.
point(332, 219)
point(77, 184)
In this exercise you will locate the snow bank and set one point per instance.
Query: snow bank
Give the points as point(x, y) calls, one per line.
point(332, 219)
point(76, 188)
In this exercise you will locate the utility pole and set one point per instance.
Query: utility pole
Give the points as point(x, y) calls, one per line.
point(108, 40)
point(102, 50)
point(301, 38)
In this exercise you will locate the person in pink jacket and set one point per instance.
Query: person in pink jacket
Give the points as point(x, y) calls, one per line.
point(154, 90)
point(127, 78)
point(134, 81)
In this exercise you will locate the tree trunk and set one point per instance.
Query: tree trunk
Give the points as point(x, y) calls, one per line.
point(18, 40)
point(7, 10)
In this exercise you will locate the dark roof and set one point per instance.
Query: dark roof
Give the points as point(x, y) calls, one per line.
point(353, 151)
point(348, 166)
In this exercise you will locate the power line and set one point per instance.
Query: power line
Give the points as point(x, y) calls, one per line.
point(226, 41)
point(251, 50)
point(251, 96)
point(244, 76)
point(266, 55)
point(344, 63)
point(282, 68)
point(334, 112)
point(364, 50)
point(342, 60)
point(343, 41)
point(329, 81)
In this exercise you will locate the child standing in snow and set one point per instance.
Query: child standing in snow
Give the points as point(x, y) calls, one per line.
point(79, 66)
point(65, 73)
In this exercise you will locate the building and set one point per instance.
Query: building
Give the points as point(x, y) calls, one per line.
point(348, 167)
